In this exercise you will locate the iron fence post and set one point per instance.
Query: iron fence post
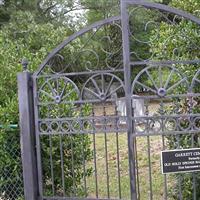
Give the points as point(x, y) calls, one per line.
point(27, 138)
point(127, 78)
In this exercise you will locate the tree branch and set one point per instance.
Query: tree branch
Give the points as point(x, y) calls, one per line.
point(83, 8)
point(50, 8)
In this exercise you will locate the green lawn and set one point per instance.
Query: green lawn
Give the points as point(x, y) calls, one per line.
point(155, 143)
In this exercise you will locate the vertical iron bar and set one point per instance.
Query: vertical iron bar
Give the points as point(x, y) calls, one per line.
point(51, 157)
point(94, 147)
point(165, 176)
point(137, 170)
point(150, 176)
point(106, 153)
point(73, 175)
point(179, 175)
point(136, 163)
point(84, 167)
point(83, 153)
point(118, 158)
point(127, 77)
point(163, 148)
point(194, 174)
point(38, 141)
point(51, 163)
point(149, 151)
point(180, 187)
point(62, 164)
point(177, 145)
point(28, 151)
point(190, 111)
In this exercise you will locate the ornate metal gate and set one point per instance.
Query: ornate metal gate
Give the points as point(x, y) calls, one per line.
point(87, 147)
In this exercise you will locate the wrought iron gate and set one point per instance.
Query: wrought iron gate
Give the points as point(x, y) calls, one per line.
point(87, 147)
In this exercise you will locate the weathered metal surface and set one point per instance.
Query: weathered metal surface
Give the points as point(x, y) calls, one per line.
point(27, 130)
point(74, 78)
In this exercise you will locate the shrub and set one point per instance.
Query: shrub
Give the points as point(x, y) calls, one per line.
point(183, 37)
point(23, 37)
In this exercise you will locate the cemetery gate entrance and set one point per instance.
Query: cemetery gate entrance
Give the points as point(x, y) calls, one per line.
point(106, 102)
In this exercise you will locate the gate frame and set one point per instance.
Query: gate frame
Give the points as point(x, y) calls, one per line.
point(26, 101)
point(27, 135)
point(129, 113)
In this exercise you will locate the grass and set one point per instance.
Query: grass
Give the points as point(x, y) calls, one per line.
point(157, 179)
point(147, 147)
point(112, 167)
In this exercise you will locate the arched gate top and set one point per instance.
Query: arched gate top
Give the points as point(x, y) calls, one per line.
point(74, 36)
point(110, 20)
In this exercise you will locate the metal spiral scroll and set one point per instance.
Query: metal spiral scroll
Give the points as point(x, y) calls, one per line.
point(159, 80)
point(145, 30)
point(57, 90)
point(105, 55)
point(145, 25)
point(56, 64)
point(102, 87)
point(98, 48)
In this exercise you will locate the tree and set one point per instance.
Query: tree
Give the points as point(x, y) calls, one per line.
point(58, 12)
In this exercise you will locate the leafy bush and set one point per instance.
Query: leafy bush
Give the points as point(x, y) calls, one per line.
point(23, 37)
point(183, 38)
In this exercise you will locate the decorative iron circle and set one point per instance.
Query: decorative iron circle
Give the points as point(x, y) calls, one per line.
point(184, 123)
point(154, 125)
point(141, 126)
point(102, 87)
point(160, 81)
point(170, 124)
point(58, 89)
point(43, 126)
point(65, 126)
point(54, 126)
point(197, 123)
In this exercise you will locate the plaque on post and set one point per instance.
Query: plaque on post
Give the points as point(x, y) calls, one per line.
point(180, 160)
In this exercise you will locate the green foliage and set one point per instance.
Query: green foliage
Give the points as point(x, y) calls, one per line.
point(190, 6)
point(24, 37)
point(100, 9)
point(73, 172)
point(31, 29)
point(184, 39)
point(73, 156)
point(57, 12)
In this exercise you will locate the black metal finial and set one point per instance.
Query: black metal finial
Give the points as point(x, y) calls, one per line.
point(24, 64)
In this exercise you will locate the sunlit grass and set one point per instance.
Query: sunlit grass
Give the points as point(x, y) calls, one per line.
point(157, 179)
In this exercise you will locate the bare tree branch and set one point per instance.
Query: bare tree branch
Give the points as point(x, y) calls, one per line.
point(50, 8)
point(84, 8)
